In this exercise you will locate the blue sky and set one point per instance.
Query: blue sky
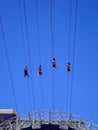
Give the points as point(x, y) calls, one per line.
point(85, 85)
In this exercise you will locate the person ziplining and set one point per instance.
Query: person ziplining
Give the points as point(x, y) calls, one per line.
point(54, 63)
point(26, 74)
point(40, 70)
point(68, 67)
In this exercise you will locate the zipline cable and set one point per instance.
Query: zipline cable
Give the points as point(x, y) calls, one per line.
point(74, 49)
point(69, 40)
point(22, 33)
point(67, 92)
point(38, 37)
point(52, 52)
point(9, 67)
point(23, 43)
point(69, 33)
point(27, 40)
point(38, 34)
point(52, 30)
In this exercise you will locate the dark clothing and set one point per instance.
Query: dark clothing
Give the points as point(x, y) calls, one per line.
point(40, 70)
point(54, 63)
point(68, 67)
point(26, 73)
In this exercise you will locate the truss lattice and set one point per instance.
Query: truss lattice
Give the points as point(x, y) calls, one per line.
point(37, 118)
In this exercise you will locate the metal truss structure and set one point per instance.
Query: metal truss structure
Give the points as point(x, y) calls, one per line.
point(37, 118)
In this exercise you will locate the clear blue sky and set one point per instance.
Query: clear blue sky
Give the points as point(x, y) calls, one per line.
point(85, 85)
